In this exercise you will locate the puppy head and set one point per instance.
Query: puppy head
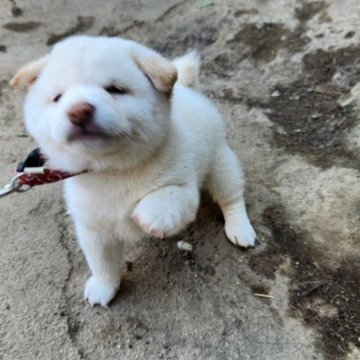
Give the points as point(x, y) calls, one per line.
point(95, 101)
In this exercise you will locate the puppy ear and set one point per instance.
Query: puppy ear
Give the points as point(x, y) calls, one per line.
point(27, 74)
point(160, 71)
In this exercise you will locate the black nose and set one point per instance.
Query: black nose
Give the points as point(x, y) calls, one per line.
point(81, 114)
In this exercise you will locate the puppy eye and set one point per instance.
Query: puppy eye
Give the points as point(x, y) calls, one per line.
point(115, 90)
point(57, 98)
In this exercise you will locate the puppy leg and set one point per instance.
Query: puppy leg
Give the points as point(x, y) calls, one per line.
point(226, 184)
point(105, 260)
point(168, 210)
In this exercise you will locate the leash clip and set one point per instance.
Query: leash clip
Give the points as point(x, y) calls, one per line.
point(14, 186)
point(33, 172)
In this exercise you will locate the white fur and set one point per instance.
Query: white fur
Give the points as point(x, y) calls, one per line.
point(188, 67)
point(144, 178)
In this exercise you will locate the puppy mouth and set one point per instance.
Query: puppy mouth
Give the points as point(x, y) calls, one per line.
point(78, 133)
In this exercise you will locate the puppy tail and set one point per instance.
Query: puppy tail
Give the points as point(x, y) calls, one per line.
point(188, 67)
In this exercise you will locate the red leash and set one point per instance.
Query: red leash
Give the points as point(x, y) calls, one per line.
point(32, 172)
point(41, 176)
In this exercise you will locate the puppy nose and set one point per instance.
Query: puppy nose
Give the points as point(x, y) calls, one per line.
point(81, 114)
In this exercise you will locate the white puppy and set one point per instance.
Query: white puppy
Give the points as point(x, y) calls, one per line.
point(148, 141)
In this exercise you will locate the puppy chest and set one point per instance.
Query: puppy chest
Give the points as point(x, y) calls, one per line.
point(100, 202)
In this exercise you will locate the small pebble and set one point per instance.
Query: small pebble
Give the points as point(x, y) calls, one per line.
point(276, 93)
point(185, 246)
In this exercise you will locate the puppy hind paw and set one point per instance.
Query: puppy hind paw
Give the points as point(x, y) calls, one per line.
point(99, 292)
point(241, 234)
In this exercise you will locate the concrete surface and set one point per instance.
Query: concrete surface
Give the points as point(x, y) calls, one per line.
point(277, 69)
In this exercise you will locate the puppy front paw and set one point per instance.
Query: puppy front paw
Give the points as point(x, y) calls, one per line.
point(156, 220)
point(155, 223)
point(241, 234)
point(99, 292)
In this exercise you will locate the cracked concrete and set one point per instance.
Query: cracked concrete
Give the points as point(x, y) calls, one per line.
point(277, 70)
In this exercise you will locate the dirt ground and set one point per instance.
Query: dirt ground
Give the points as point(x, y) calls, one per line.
point(280, 71)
